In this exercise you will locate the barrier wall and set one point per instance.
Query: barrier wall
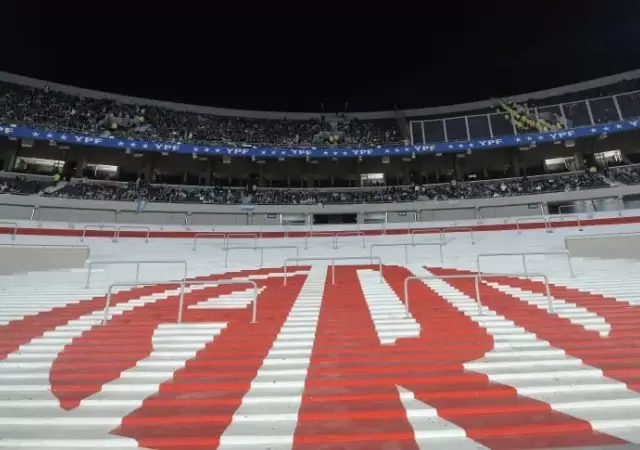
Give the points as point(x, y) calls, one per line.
point(35, 258)
point(607, 246)
point(14, 207)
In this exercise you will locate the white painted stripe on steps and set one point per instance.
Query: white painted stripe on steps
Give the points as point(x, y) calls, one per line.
point(566, 310)
point(532, 384)
point(424, 419)
point(310, 298)
point(103, 429)
point(383, 303)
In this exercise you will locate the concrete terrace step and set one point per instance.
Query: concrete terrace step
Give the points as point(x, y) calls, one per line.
point(326, 364)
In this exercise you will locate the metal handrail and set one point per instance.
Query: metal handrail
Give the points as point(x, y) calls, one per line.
point(524, 256)
point(71, 223)
point(333, 263)
point(254, 314)
point(134, 227)
point(312, 234)
point(100, 227)
point(137, 263)
point(427, 231)
point(350, 234)
point(241, 235)
point(547, 224)
point(212, 234)
point(571, 216)
point(262, 249)
point(406, 248)
point(15, 228)
point(460, 229)
point(478, 277)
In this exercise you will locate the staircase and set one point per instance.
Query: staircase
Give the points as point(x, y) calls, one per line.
point(326, 366)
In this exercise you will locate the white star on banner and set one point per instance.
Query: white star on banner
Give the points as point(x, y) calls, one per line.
point(518, 139)
point(606, 128)
point(63, 137)
point(133, 144)
point(49, 136)
point(195, 149)
point(594, 130)
point(217, 150)
point(35, 134)
point(387, 151)
point(120, 144)
point(529, 138)
point(144, 145)
point(206, 149)
point(619, 126)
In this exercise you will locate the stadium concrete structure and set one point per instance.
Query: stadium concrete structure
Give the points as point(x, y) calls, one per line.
point(499, 323)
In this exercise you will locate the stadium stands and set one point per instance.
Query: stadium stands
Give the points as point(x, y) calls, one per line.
point(48, 109)
point(97, 190)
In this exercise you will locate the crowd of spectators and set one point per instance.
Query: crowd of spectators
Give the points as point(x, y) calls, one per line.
point(625, 174)
point(49, 109)
point(133, 191)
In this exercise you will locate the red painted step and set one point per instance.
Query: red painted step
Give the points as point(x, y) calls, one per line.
point(541, 323)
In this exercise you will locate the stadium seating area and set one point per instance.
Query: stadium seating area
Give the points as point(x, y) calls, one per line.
point(625, 174)
point(55, 110)
point(96, 190)
point(347, 364)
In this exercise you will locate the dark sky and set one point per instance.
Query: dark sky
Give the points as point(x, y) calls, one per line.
point(295, 56)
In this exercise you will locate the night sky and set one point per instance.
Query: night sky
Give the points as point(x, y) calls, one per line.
point(297, 56)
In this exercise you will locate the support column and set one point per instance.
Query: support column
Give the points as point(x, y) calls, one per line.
point(9, 158)
point(516, 158)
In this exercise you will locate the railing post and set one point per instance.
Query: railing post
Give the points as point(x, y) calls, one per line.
point(570, 264)
point(181, 301)
point(477, 285)
point(548, 293)
point(406, 253)
point(137, 272)
point(333, 271)
point(524, 263)
point(86, 285)
point(106, 307)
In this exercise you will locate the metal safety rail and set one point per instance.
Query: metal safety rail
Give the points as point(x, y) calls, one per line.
point(312, 234)
point(225, 235)
point(547, 224)
point(183, 283)
point(114, 238)
point(460, 230)
point(15, 228)
point(241, 235)
point(427, 231)
point(524, 258)
point(478, 278)
point(134, 227)
point(340, 234)
point(137, 263)
point(406, 248)
point(262, 249)
point(70, 224)
point(213, 234)
point(569, 216)
point(597, 236)
point(333, 263)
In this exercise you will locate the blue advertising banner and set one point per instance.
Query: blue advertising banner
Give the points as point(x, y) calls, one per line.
point(316, 152)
